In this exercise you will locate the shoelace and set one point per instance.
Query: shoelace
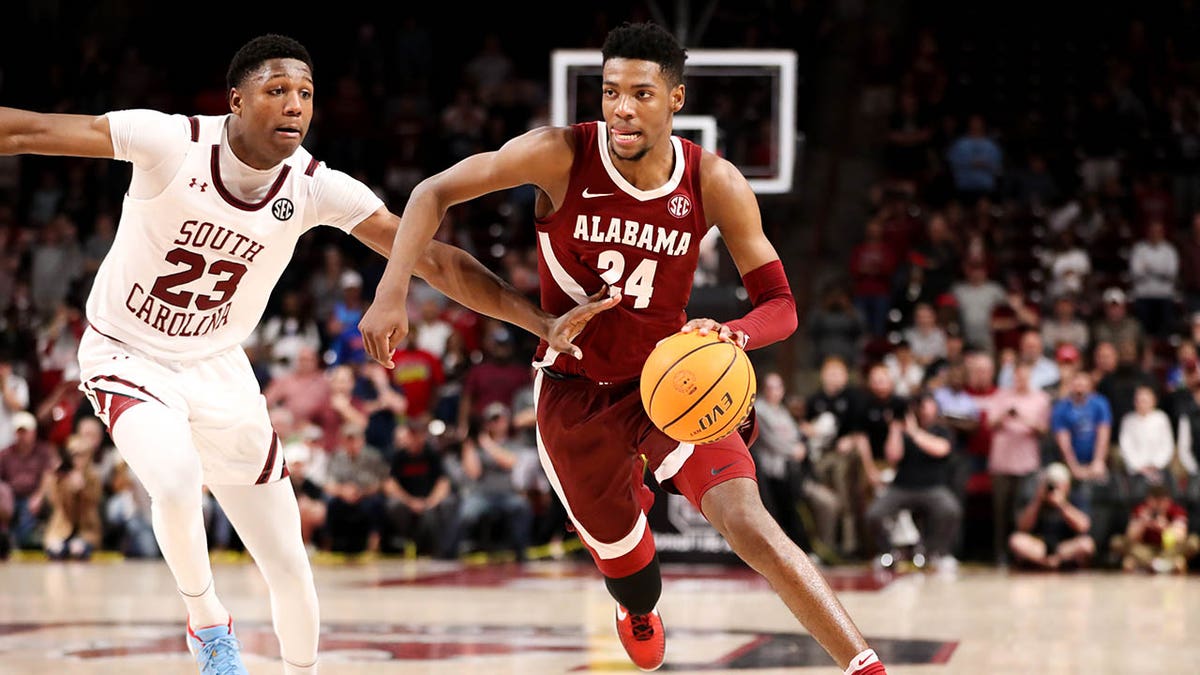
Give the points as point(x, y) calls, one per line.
point(643, 628)
point(221, 655)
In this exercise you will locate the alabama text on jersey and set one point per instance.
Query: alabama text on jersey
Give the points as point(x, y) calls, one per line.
point(643, 242)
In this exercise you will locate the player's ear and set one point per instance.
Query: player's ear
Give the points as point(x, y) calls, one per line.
point(235, 101)
point(678, 94)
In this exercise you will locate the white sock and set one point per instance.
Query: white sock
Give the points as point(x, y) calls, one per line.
point(865, 658)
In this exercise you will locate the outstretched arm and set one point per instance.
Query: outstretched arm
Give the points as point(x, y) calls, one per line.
point(26, 132)
point(540, 157)
point(460, 276)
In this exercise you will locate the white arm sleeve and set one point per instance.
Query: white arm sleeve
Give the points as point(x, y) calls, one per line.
point(154, 142)
point(342, 202)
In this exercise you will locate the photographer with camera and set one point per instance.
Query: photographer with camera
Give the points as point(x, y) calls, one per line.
point(918, 449)
point(1157, 538)
point(1052, 533)
point(74, 490)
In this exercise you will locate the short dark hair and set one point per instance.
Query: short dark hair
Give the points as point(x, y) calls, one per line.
point(263, 48)
point(647, 42)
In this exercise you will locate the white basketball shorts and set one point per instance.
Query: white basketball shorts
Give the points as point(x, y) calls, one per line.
point(230, 426)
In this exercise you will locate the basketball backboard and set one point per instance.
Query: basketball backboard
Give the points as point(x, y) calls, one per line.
point(741, 104)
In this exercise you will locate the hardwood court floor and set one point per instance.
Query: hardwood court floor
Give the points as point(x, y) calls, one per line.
point(394, 616)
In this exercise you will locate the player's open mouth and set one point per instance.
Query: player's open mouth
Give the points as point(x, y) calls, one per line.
point(626, 136)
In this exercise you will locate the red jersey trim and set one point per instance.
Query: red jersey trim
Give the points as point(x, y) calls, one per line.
point(127, 383)
point(625, 186)
point(270, 463)
point(234, 201)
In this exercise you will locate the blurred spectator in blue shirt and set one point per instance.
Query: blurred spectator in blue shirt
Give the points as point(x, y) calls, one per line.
point(1082, 427)
point(976, 162)
point(347, 343)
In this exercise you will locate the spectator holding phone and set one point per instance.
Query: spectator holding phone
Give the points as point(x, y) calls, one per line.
point(1019, 417)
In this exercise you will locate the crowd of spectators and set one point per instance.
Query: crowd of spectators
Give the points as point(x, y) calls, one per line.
point(437, 455)
point(1030, 262)
point(1009, 365)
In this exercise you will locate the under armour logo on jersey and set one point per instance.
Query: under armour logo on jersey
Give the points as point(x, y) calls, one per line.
point(202, 186)
point(283, 208)
point(679, 206)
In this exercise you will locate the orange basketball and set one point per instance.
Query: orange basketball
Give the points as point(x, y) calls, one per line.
point(697, 389)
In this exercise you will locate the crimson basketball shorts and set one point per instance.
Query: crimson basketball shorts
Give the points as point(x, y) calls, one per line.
point(591, 440)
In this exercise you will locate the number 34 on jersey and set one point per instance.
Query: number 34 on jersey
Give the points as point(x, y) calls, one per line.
point(639, 284)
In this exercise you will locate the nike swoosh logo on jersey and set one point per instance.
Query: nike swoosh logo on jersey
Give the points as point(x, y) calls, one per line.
point(593, 195)
point(717, 471)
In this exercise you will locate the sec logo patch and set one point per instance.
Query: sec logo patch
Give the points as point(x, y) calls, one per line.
point(282, 209)
point(679, 206)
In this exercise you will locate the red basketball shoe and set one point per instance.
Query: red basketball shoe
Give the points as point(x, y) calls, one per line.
point(643, 638)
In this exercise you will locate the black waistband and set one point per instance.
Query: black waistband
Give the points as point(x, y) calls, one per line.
point(559, 376)
point(555, 375)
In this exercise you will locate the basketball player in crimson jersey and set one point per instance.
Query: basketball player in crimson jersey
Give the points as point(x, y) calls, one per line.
point(622, 204)
point(210, 220)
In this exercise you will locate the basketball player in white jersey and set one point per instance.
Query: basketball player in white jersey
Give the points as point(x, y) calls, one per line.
point(211, 217)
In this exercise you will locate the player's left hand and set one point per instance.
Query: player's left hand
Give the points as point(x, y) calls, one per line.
point(565, 328)
point(705, 326)
point(383, 326)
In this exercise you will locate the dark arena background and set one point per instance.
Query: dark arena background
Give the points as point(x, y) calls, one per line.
point(989, 215)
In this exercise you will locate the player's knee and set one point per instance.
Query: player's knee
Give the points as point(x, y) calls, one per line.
point(746, 525)
point(295, 578)
point(288, 570)
point(175, 491)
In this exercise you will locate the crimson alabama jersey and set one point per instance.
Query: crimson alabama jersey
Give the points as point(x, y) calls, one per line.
point(643, 242)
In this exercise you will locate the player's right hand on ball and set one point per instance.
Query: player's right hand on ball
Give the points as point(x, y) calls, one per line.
point(383, 326)
point(724, 333)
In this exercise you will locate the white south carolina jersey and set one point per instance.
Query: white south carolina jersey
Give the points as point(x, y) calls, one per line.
point(192, 266)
